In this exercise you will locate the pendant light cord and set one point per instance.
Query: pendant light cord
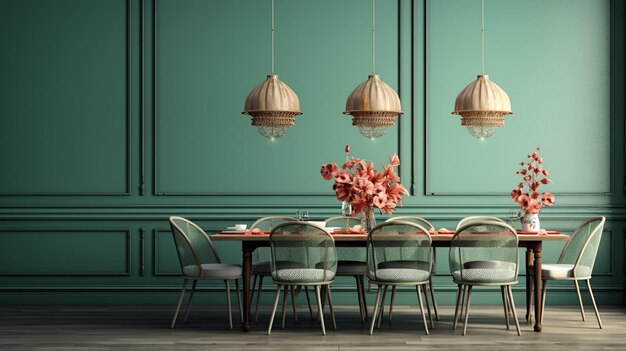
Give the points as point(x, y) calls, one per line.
point(272, 37)
point(373, 37)
point(482, 34)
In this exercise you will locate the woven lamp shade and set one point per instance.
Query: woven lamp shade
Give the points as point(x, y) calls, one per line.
point(373, 106)
point(272, 106)
point(482, 106)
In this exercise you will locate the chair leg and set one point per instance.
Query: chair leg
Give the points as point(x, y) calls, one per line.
point(239, 300)
point(180, 301)
point(252, 289)
point(430, 316)
point(432, 295)
point(468, 298)
point(308, 301)
point(393, 296)
point(580, 300)
point(530, 281)
point(544, 289)
point(419, 299)
point(512, 308)
point(285, 298)
point(375, 314)
point(193, 290)
point(505, 305)
point(230, 314)
point(459, 293)
point(593, 301)
point(363, 297)
point(330, 306)
point(319, 308)
point(382, 306)
point(258, 298)
point(360, 297)
point(269, 329)
point(293, 303)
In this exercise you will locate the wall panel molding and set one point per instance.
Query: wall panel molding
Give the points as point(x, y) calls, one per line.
point(74, 231)
point(428, 192)
point(157, 191)
point(127, 117)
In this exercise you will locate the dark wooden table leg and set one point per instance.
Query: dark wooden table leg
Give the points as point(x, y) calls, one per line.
point(529, 287)
point(538, 306)
point(247, 268)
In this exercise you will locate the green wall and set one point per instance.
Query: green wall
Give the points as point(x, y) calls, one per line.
point(117, 114)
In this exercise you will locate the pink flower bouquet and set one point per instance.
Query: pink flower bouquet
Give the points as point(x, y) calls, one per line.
point(533, 175)
point(358, 182)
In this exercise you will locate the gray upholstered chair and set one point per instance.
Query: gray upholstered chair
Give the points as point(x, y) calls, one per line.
point(199, 260)
point(398, 254)
point(352, 261)
point(431, 228)
point(576, 262)
point(302, 254)
point(261, 258)
point(484, 253)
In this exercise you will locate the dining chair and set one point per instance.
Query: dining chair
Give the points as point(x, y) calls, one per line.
point(199, 260)
point(576, 262)
point(398, 254)
point(352, 261)
point(312, 248)
point(261, 258)
point(471, 219)
point(484, 253)
point(431, 228)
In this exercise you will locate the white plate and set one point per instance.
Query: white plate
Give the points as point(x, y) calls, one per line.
point(232, 232)
point(332, 229)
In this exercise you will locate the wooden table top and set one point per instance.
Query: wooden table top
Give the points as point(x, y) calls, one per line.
point(363, 237)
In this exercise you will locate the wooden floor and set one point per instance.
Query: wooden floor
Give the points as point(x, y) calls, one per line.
point(119, 328)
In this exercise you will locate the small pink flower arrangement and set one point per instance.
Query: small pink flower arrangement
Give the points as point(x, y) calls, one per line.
point(358, 182)
point(533, 175)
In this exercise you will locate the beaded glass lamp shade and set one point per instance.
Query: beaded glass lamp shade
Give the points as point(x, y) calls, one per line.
point(482, 106)
point(272, 106)
point(373, 106)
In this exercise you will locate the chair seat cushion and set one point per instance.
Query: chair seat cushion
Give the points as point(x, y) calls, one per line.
point(303, 275)
point(214, 271)
point(484, 275)
point(263, 267)
point(351, 268)
point(421, 265)
point(400, 275)
point(563, 271)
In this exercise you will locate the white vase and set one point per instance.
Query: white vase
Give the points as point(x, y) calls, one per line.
point(530, 222)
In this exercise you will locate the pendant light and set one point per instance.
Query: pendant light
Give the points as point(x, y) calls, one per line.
point(272, 104)
point(482, 105)
point(373, 104)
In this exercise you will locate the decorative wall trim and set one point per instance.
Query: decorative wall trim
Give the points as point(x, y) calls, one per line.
point(126, 272)
point(156, 271)
point(126, 192)
point(614, 99)
point(155, 119)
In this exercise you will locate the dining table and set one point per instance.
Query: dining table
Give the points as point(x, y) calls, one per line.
point(531, 241)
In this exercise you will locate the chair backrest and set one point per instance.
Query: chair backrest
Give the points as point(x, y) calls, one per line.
point(480, 246)
point(582, 247)
point(414, 219)
point(398, 244)
point(193, 245)
point(347, 253)
point(266, 224)
point(471, 219)
point(342, 221)
point(304, 247)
